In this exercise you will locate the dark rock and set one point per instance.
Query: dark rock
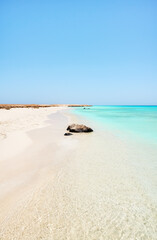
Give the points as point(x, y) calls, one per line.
point(67, 134)
point(79, 128)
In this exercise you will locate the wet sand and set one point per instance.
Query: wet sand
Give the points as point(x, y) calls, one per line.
point(78, 187)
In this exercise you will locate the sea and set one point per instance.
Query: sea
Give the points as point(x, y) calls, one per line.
point(134, 122)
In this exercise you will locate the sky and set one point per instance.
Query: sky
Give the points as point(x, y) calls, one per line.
point(85, 52)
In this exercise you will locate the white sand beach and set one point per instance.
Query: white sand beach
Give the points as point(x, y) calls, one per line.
point(28, 146)
point(54, 187)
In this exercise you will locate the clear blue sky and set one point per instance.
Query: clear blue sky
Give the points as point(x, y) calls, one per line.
point(86, 51)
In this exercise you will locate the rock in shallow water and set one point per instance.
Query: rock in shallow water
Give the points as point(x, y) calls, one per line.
point(67, 134)
point(79, 128)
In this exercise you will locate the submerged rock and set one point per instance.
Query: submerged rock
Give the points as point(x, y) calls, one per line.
point(67, 134)
point(79, 128)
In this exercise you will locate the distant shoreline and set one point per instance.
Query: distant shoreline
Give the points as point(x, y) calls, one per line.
point(9, 106)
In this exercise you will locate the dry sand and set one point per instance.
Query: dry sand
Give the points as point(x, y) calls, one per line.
point(77, 187)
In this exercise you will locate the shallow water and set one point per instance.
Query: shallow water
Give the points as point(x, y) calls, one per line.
point(136, 129)
point(138, 122)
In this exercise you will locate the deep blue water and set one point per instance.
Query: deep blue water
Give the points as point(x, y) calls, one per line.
point(133, 121)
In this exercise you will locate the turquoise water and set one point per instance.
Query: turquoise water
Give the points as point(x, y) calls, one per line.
point(139, 122)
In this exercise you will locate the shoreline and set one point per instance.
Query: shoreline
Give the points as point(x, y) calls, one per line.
point(37, 106)
point(78, 187)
